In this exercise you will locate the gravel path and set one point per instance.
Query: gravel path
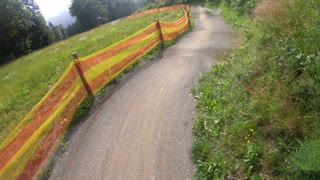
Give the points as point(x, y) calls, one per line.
point(144, 129)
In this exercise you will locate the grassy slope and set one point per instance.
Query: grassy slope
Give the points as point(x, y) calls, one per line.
point(259, 108)
point(26, 80)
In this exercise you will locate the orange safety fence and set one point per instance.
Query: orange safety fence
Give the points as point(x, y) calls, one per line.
point(27, 148)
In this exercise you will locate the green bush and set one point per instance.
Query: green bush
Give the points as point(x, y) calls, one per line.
point(243, 7)
point(161, 4)
point(306, 159)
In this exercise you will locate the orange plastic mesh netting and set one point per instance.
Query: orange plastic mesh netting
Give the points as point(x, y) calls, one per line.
point(29, 145)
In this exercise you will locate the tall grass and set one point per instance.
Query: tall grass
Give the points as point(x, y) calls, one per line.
point(259, 108)
point(26, 80)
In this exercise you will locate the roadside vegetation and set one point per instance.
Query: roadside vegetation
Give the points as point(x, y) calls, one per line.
point(158, 4)
point(26, 80)
point(258, 109)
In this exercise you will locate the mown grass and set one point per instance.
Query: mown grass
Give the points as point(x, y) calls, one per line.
point(26, 80)
point(258, 109)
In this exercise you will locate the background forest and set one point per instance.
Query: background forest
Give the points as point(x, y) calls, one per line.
point(24, 29)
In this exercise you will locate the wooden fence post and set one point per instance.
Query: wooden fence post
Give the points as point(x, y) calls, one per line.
point(80, 72)
point(187, 11)
point(161, 35)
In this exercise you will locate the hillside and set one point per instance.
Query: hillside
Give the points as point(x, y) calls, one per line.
point(26, 80)
point(259, 108)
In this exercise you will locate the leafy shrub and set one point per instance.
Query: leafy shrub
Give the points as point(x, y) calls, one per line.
point(306, 159)
point(242, 6)
point(161, 4)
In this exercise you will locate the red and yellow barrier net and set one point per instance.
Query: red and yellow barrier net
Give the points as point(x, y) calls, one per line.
point(26, 149)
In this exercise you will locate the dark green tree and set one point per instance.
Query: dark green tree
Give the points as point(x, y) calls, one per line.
point(22, 29)
point(89, 13)
point(14, 28)
point(40, 34)
point(120, 8)
point(58, 31)
point(32, 6)
point(73, 29)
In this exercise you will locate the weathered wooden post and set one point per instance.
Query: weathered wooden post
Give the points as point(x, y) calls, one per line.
point(161, 35)
point(186, 8)
point(81, 74)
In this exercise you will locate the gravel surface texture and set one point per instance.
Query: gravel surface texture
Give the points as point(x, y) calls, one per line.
point(143, 130)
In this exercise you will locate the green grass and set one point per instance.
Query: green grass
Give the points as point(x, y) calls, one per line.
point(258, 109)
point(26, 80)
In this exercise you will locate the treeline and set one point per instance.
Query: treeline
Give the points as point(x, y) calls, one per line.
point(24, 29)
point(92, 13)
point(243, 7)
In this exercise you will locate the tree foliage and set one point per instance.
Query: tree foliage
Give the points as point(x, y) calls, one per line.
point(23, 29)
point(89, 13)
point(13, 30)
point(120, 8)
point(92, 13)
point(58, 31)
point(39, 34)
point(242, 6)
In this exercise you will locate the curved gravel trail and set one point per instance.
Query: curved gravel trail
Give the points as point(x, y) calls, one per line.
point(143, 130)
